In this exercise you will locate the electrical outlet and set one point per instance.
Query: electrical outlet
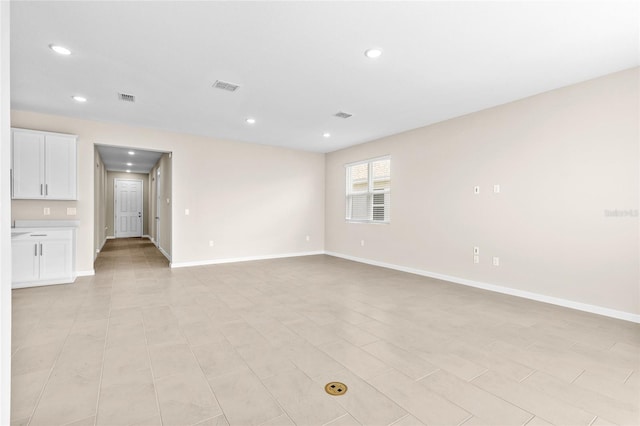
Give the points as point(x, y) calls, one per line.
point(476, 259)
point(496, 261)
point(210, 243)
point(496, 189)
point(186, 212)
point(71, 211)
point(46, 211)
point(361, 243)
point(308, 238)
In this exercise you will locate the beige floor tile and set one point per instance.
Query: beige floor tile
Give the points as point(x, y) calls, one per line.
point(613, 388)
point(537, 421)
point(364, 402)
point(454, 364)
point(616, 411)
point(219, 359)
point(129, 401)
point(346, 420)
point(304, 401)
point(404, 361)
point(34, 358)
point(220, 420)
point(602, 422)
point(261, 320)
point(20, 422)
point(186, 399)
point(532, 400)
point(408, 420)
point(282, 420)
point(167, 360)
point(355, 359)
point(265, 360)
point(481, 404)
point(234, 390)
point(65, 401)
point(25, 391)
point(89, 421)
point(428, 407)
point(311, 360)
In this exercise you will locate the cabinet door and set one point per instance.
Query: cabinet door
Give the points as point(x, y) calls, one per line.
point(24, 261)
point(28, 164)
point(60, 167)
point(55, 259)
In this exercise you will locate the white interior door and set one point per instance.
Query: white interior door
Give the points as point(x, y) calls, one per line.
point(127, 208)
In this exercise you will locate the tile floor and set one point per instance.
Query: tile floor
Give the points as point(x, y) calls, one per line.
point(254, 343)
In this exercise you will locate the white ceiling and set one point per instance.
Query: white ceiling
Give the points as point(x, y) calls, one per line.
point(298, 63)
point(116, 159)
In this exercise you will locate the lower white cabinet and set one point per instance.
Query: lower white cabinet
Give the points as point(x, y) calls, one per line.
point(43, 257)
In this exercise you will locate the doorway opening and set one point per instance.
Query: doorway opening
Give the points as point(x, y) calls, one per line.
point(133, 193)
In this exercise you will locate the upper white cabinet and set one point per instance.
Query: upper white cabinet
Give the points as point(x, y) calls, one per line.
point(44, 165)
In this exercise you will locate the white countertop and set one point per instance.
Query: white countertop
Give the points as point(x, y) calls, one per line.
point(45, 224)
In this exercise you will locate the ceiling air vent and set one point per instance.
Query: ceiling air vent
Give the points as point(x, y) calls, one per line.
point(225, 85)
point(342, 114)
point(126, 98)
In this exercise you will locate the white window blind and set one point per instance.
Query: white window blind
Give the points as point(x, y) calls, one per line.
point(369, 190)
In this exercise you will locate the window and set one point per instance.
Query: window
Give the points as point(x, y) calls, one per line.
point(369, 190)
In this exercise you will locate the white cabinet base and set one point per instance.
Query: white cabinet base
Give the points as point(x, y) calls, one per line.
point(42, 256)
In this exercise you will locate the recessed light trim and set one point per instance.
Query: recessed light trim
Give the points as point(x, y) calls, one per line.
point(129, 164)
point(131, 153)
point(373, 53)
point(61, 50)
point(79, 98)
point(250, 120)
point(128, 171)
point(326, 135)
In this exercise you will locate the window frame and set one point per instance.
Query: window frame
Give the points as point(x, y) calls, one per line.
point(370, 192)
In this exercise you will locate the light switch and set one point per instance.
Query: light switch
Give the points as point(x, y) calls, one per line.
point(186, 212)
point(476, 190)
point(496, 189)
point(46, 211)
point(476, 250)
point(71, 211)
point(496, 261)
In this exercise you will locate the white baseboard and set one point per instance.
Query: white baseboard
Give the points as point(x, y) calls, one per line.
point(167, 255)
point(88, 273)
point(626, 316)
point(110, 237)
point(243, 259)
point(148, 237)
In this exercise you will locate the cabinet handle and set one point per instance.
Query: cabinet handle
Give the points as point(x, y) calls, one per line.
point(46, 189)
point(38, 235)
point(36, 247)
point(41, 193)
point(40, 249)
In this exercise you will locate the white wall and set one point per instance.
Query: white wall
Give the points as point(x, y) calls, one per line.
point(251, 200)
point(562, 159)
point(5, 223)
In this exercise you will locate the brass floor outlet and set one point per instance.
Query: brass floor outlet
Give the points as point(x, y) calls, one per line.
point(335, 388)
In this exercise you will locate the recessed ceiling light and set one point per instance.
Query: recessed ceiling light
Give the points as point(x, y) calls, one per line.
point(373, 53)
point(326, 135)
point(251, 120)
point(79, 98)
point(128, 171)
point(131, 153)
point(129, 164)
point(60, 49)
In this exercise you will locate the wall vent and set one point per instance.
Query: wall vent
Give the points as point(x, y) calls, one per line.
point(225, 85)
point(341, 114)
point(126, 97)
